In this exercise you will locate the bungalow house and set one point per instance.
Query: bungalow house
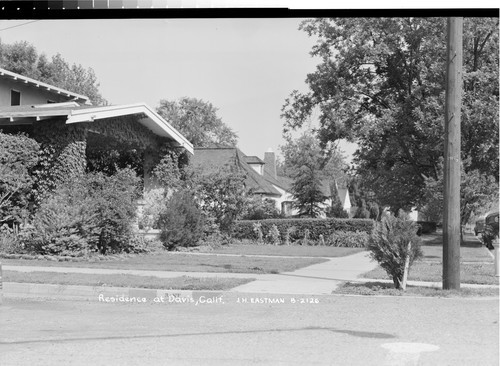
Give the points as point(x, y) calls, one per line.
point(74, 128)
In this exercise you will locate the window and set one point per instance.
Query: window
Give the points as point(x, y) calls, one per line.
point(15, 97)
point(50, 101)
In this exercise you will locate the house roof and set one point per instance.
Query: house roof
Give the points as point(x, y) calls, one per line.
point(5, 74)
point(75, 113)
point(233, 157)
point(253, 160)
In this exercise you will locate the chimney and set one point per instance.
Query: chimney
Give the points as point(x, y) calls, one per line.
point(270, 160)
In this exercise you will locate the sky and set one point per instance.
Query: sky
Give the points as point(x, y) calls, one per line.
point(245, 67)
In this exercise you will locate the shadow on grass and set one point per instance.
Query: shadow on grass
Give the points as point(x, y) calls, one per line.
point(436, 239)
point(387, 289)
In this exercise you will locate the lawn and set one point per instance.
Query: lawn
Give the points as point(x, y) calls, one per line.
point(387, 289)
point(185, 262)
point(287, 250)
point(177, 283)
point(478, 273)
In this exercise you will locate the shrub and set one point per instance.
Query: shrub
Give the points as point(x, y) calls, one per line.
point(349, 239)
point(9, 240)
point(337, 211)
point(273, 236)
point(18, 157)
point(154, 202)
point(257, 229)
point(394, 244)
point(115, 199)
point(181, 223)
point(260, 209)
point(243, 229)
point(91, 213)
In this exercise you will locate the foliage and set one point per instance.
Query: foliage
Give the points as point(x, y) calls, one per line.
point(293, 229)
point(9, 240)
point(92, 213)
point(23, 58)
point(362, 212)
point(476, 191)
point(273, 236)
point(257, 208)
point(380, 83)
point(154, 202)
point(389, 242)
point(220, 193)
point(181, 223)
point(349, 239)
point(197, 120)
point(336, 209)
point(115, 198)
point(305, 162)
point(18, 156)
point(65, 223)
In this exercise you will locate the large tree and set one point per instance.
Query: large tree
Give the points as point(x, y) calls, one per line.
point(23, 58)
point(381, 83)
point(304, 163)
point(198, 121)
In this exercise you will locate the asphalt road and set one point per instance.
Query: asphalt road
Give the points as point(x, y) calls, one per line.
point(338, 330)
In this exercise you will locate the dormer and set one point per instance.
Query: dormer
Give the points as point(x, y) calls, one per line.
point(256, 164)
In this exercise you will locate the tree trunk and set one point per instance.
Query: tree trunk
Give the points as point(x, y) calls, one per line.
point(407, 267)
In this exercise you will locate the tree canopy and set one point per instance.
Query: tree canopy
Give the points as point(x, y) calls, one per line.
point(381, 83)
point(197, 120)
point(23, 58)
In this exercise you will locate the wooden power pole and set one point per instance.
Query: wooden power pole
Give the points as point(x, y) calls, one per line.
point(451, 222)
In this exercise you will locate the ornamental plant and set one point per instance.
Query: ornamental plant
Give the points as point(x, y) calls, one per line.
point(182, 222)
point(395, 245)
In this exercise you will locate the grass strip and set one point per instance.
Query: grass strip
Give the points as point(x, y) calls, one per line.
point(473, 273)
point(184, 263)
point(387, 289)
point(176, 283)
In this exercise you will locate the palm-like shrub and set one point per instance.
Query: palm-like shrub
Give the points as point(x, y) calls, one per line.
point(394, 244)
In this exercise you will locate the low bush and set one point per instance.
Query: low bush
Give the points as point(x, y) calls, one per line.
point(294, 229)
point(260, 209)
point(182, 222)
point(349, 239)
point(395, 245)
point(92, 213)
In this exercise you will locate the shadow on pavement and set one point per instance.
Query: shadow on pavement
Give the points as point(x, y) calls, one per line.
point(353, 333)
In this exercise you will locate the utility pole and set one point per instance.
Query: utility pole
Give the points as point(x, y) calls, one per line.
point(451, 222)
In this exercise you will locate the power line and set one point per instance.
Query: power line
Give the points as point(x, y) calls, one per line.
point(19, 25)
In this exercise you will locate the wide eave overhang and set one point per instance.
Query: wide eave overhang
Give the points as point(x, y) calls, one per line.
point(76, 114)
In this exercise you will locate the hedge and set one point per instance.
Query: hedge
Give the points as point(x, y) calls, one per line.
point(244, 229)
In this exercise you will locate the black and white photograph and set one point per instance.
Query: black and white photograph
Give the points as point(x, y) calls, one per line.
point(191, 183)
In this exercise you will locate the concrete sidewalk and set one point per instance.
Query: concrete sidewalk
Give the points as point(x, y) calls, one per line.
point(317, 279)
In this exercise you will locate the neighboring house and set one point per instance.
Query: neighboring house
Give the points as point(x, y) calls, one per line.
point(66, 121)
point(261, 176)
point(233, 158)
point(283, 184)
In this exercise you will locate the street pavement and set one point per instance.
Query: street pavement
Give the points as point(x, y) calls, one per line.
point(259, 329)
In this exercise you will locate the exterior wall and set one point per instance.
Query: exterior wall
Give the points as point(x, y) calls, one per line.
point(29, 94)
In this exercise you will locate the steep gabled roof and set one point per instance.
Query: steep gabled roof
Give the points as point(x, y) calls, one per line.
point(6, 74)
point(234, 158)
